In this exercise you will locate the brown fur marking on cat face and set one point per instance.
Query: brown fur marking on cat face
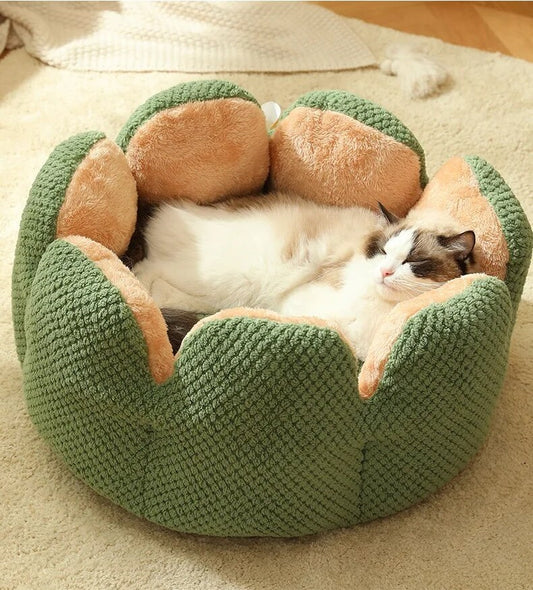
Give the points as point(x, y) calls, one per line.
point(143, 307)
point(439, 257)
point(393, 325)
point(374, 244)
point(330, 158)
point(455, 191)
point(201, 151)
point(433, 256)
point(101, 199)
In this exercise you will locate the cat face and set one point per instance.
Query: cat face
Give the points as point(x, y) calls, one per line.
point(408, 261)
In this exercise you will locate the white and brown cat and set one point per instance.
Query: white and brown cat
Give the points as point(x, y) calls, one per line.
point(348, 266)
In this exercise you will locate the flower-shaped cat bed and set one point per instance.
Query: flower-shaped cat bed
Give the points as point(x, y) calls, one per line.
point(261, 424)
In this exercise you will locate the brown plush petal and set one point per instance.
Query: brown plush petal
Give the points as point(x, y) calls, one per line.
point(455, 190)
point(101, 199)
point(331, 158)
point(201, 151)
point(145, 311)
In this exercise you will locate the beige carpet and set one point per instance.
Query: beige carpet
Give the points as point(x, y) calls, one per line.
point(476, 533)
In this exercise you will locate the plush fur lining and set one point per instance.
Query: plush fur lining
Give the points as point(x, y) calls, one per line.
point(100, 202)
point(378, 354)
point(147, 314)
point(331, 158)
point(202, 151)
point(455, 191)
point(266, 314)
point(101, 199)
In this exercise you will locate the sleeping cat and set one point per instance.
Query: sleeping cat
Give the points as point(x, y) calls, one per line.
point(349, 266)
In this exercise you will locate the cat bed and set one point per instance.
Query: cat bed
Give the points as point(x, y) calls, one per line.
point(261, 425)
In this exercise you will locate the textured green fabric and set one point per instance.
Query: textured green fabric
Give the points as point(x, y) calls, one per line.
point(260, 430)
point(365, 112)
point(39, 219)
point(515, 225)
point(433, 405)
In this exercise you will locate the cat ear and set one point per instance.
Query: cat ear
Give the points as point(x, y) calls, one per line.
point(462, 244)
point(390, 217)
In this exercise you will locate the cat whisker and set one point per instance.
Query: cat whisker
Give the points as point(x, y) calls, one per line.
point(409, 281)
point(417, 288)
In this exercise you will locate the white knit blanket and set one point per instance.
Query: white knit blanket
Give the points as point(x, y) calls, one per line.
point(184, 36)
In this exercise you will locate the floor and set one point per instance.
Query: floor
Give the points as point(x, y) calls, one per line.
point(505, 27)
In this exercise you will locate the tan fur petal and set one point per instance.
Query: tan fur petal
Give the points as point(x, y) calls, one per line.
point(201, 151)
point(145, 311)
point(330, 158)
point(455, 191)
point(101, 199)
point(392, 326)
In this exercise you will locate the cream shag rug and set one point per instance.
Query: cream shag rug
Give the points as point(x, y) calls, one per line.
point(477, 532)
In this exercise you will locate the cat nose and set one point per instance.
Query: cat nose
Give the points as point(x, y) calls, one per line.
point(386, 272)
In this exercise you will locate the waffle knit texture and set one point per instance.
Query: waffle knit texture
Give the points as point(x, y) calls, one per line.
point(186, 36)
point(260, 431)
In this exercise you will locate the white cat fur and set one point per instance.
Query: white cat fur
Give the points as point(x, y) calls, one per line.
point(291, 256)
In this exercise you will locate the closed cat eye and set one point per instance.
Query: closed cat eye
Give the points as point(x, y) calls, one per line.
point(416, 262)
